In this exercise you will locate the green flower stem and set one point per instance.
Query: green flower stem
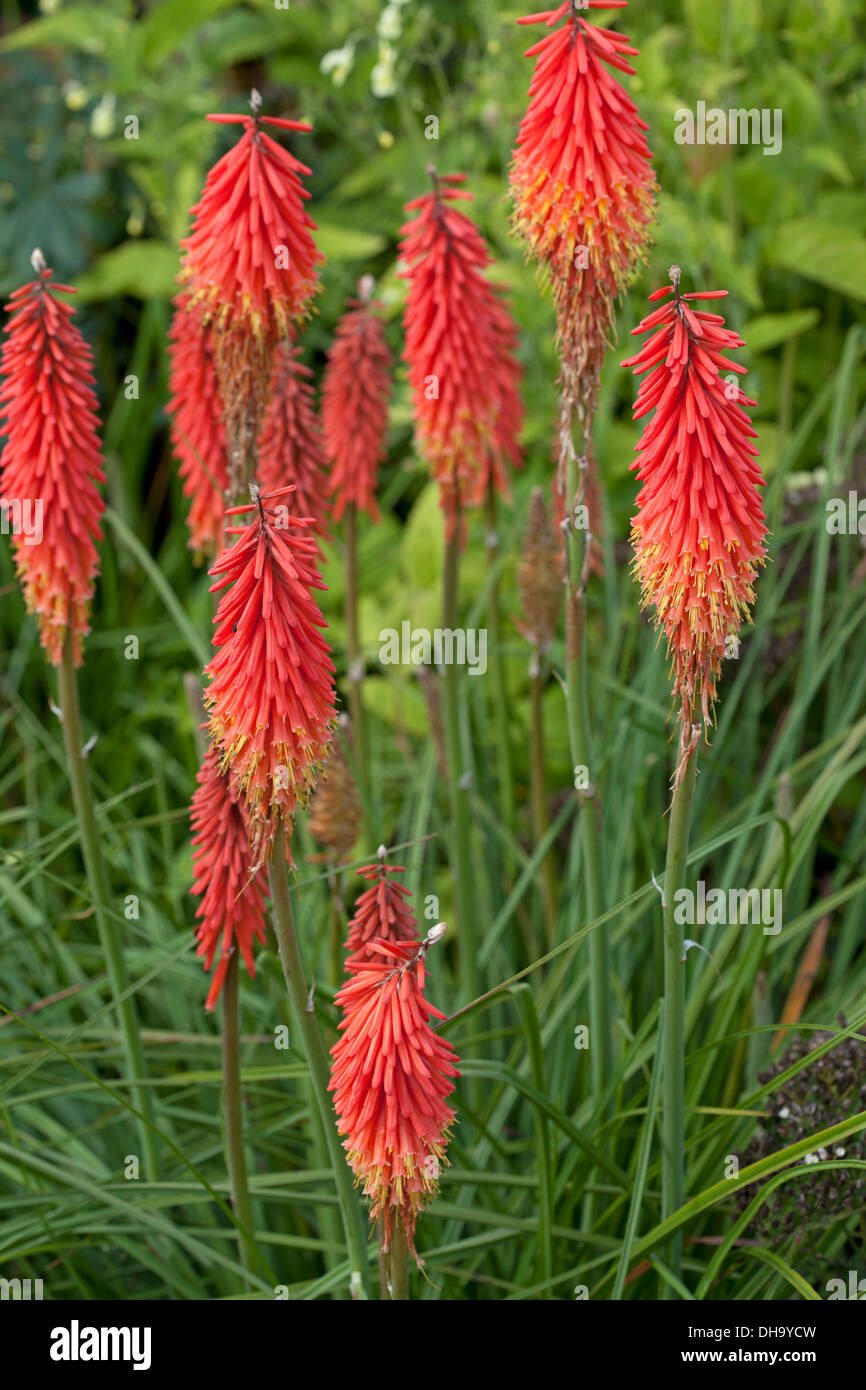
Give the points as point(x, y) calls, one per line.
point(328, 1216)
point(538, 794)
point(353, 647)
point(384, 1258)
point(304, 1021)
point(399, 1263)
point(236, 1161)
point(589, 824)
point(462, 845)
point(336, 927)
point(500, 688)
point(673, 1074)
point(97, 878)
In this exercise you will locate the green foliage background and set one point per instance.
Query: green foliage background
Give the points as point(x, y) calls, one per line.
point(779, 798)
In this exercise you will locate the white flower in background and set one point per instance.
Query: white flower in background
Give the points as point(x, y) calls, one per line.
point(49, 6)
point(338, 62)
point(75, 95)
point(390, 24)
point(383, 79)
point(102, 117)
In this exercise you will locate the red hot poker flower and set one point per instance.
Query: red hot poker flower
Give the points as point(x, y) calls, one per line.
point(581, 179)
point(52, 461)
point(382, 913)
point(355, 393)
point(699, 530)
point(271, 693)
point(391, 1076)
point(251, 262)
point(231, 914)
point(290, 447)
point(460, 345)
point(251, 210)
point(197, 433)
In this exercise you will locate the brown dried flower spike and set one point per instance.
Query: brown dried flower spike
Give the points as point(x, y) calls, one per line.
point(539, 576)
point(335, 810)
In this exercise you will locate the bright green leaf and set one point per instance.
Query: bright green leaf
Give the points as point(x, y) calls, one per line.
point(142, 269)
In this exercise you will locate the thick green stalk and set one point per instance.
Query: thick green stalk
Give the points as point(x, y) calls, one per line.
point(97, 878)
point(384, 1259)
point(500, 689)
point(399, 1277)
point(304, 1021)
point(589, 824)
point(353, 650)
point(673, 1074)
point(336, 927)
point(236, 1159)
point(538, 794)
point(328, 1216)
point(467, 942)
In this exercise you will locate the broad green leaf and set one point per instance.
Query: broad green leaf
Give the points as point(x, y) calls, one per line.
point(397, 701)
point(142, 269)
point(830, 161)
point(833, 256)
point(90, 28)
point(740, 19)
point(769, 330)
point(422, 546)
point(166, 25)
point(348, 243)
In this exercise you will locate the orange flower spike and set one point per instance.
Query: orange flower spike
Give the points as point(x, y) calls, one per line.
point(231, 914)
point(52, 462)
point(355, 391)
point(391, 1076)
point(290, 446)
point(581, 168)
point(251, 264)
point(699, 530)
point(197, 433)
point(582, 180)
point(383, 912)
point(251, 255)
point(271, 694)
point(460, 350)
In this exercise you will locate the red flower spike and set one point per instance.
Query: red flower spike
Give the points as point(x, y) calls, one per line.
point(382, 912)
point(582, 183)
point(271, 693)
point(251, 264)
point(197, 433)
point(699, 531)
point(290, 446)
point(460, 346)
point(52, 460)
point(391, 1076)
point(251, 207)
point(355, 391)
point(231, 914)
